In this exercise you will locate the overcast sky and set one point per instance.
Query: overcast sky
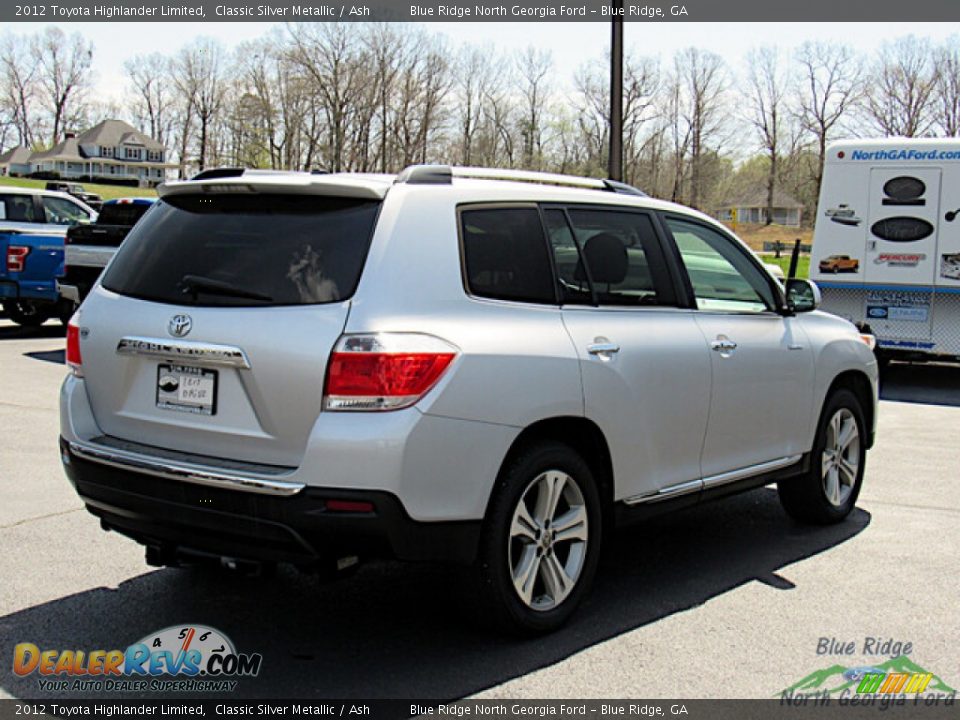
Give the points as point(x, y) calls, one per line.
point(571, 43)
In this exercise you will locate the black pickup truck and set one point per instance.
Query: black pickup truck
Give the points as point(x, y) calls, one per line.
point(88, 248)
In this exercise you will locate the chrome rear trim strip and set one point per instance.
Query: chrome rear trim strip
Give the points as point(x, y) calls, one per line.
point(665, 493)
point(750, 471)
point(686, 488)
point(195, 352)
point(185, 473)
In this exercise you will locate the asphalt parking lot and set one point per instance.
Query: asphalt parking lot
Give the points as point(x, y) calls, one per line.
point(725, 600)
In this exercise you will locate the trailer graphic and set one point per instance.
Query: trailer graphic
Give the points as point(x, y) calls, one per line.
point(906, 250)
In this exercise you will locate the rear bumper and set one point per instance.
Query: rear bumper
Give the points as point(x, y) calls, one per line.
point(182, 517)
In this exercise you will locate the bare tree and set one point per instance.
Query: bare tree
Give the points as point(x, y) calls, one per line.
point(533, 70)
point(948, 87)
point(151, 105)
point(64, 76)
point(19, 72)
point(902, 86)
point(199, 79)
point(702, 84)
point(768, 88)
point(831, 85)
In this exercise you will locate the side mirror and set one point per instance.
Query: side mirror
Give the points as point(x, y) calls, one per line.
point(802, 295)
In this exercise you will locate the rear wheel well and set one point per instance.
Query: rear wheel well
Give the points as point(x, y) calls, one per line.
point(585, 438)
point(857, 383)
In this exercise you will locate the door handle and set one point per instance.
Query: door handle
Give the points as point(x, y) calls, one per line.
point(603, 348)
point(723, 345)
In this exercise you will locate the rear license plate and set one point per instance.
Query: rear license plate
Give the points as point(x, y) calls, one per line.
point(188, 389)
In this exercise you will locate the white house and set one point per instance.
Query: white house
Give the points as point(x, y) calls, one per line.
point(15, 161)
point(111, 150)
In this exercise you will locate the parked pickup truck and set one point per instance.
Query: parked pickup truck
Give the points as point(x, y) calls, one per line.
point(78, 191)
point(90, 247)
point(33, 223)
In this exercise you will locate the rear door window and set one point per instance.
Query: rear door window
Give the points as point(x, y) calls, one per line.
point(216, 249)
point(505, 254)
point(622, 258)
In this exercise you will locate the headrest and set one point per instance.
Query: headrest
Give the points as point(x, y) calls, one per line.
point(607, 257)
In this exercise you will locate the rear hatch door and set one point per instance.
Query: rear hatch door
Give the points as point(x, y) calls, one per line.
point(212, 328)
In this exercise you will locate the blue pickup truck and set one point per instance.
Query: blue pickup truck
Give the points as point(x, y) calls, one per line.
point(33, 223)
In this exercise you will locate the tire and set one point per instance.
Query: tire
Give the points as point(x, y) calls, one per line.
point(26, 313)
point(559, 572)
point(827, 493)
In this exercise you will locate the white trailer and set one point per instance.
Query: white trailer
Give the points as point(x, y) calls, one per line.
point(886, 244)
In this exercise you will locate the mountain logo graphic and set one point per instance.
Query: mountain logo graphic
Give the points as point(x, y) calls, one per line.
point(897, 675)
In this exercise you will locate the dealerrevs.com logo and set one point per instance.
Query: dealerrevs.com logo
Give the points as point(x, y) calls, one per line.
point(188, 658)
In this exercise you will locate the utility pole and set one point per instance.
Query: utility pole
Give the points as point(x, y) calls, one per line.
point(616, 92)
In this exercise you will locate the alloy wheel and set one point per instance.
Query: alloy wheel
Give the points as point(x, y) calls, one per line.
point(840, 462)
point(548, 540)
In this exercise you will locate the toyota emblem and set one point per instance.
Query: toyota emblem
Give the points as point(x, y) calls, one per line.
point(180, 325)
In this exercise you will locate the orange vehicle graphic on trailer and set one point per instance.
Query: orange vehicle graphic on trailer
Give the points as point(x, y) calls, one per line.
point(839, 263)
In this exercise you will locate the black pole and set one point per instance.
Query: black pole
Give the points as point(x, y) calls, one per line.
point(794, 259)
point(616, 92)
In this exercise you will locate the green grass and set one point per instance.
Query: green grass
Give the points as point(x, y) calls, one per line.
point(107, 192)
point(803, 265)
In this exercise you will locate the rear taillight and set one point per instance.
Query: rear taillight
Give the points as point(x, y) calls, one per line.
point(74, 360)
point(385, 371)
point(17, 258)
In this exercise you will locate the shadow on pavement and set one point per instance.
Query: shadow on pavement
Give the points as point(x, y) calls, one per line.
point(927, 384)
point(50, 329)
point(404, 631)
point(54, 356)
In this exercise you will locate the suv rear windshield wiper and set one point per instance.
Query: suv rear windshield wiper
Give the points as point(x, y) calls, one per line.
point(195, 284)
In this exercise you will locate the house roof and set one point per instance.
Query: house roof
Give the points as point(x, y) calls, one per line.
point(115, 132)
point(68, 149)
point(757, 198)
point(15, 156)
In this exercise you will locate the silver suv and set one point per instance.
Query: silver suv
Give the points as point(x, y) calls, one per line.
point(457, 364)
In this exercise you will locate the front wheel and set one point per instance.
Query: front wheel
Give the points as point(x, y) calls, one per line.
point(828, 492)
point(541, 539)
point(27, 313)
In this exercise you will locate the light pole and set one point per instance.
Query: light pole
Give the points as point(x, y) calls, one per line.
point(615, 169)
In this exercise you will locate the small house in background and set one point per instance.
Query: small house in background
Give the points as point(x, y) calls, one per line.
point(15, 161)
point(111, 151)
point(752, 208)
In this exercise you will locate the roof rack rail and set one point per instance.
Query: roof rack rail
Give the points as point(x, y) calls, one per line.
point(214, 173)
point(444, 174)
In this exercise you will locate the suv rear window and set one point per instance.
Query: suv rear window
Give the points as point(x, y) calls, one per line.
point(245, 249)
point(123, 214)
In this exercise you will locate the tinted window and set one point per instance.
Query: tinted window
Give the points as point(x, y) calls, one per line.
point(125, 214)
point(505, 255)
point(574, 288)
point(63, 212)
point(18, 208)
point(623, 262)
point(723, 277)
point(276, 249)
